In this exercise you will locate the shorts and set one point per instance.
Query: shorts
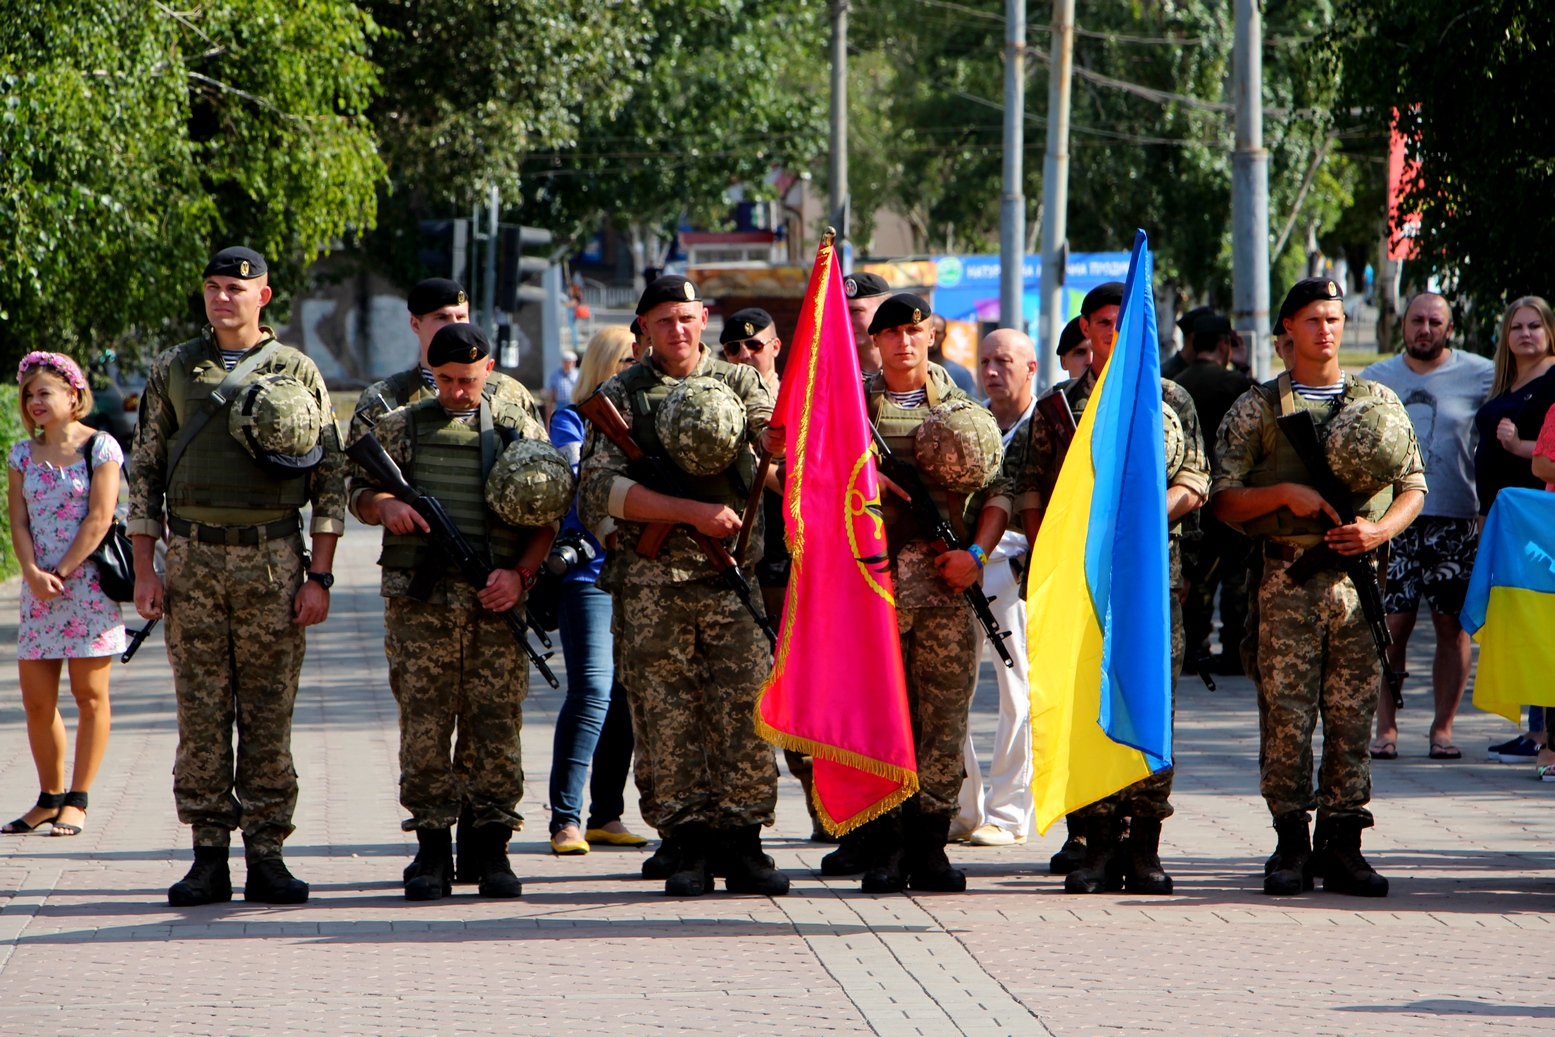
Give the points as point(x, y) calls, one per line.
point(1434, 557)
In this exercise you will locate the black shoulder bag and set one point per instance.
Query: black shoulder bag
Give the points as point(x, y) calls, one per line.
point(115, 556)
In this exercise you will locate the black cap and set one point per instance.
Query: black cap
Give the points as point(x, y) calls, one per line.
point(458, 344)
point(669, 288)
point(902, 308)
point(1212, 326)
point(433, 294)
point(1109, 294)
point(1310, 290)
point(637, 328)
point(744, 324)
point(1070, 337)
point(242, 263)
point(1186, 321)
point(864, 286)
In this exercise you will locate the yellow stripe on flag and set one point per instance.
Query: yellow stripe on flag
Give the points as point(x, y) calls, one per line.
point(1516, 652)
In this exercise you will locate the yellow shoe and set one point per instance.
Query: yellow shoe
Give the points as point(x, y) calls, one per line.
point(568, 848)
point(609, 838)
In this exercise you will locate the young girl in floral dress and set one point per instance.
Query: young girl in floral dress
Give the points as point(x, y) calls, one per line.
point(60, 509)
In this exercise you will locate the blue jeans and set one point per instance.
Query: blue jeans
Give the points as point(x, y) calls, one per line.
point(594, 724)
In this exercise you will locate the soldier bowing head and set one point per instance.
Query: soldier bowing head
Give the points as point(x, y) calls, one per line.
point(461, 362)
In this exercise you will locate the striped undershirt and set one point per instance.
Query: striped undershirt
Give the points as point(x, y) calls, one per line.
point(1318, 392)
point(426, 376)
point(230, 357)
point(908, 400)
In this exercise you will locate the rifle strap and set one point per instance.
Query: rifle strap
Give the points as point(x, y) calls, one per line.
point(213, 405)
point(488, 433)
point(1287, 393)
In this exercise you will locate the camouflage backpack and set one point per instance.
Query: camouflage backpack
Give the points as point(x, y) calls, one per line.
point(531, 484)
point(701, 424)
point(959, 446)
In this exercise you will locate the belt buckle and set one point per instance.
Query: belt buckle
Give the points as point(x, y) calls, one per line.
point(232, 536)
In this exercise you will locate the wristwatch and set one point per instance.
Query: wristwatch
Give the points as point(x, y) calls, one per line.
point(325, 580)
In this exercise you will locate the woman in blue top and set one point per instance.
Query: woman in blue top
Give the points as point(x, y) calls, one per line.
point(594, 723)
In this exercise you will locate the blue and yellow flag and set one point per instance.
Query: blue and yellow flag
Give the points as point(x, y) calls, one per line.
point(1510, 607)
point(1099, 626)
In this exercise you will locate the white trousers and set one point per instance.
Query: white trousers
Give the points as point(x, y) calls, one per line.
point(1007, 802)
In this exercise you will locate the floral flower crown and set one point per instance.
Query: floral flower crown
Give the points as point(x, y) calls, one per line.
point(59, 363)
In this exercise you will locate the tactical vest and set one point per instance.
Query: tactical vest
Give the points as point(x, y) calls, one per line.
point(898, 427)
point(447, 462)
point(1280, 463)
point(215, 471)
point(645, 391)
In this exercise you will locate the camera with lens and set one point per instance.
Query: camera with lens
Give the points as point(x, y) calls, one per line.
point(570, 550)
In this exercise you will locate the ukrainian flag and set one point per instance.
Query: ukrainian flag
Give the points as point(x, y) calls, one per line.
point(1099, 618)
point(1510, 607)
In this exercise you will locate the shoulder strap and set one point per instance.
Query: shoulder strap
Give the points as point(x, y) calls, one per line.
point(931, 391)
point(1286, 393)
point(91, 445)
point(214, 403)
point(488, 438)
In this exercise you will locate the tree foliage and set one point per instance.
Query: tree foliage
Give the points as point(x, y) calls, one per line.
point(1467, 79)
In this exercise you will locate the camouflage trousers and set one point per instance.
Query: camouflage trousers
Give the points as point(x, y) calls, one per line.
point(692, 661)
point(456, 669)
point(940, 650)
point(236, 658)
point(1151, 798)
point(1316, 658)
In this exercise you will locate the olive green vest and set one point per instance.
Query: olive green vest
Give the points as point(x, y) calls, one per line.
point(449, 463)
point(1281, 464)
point(898, 427)
point(645, 391)
point(215, 471)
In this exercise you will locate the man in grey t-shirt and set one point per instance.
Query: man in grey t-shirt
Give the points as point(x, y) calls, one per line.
point(1442, 389)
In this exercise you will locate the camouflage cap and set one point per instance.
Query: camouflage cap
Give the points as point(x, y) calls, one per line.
point(276, 415)
point(702, 425)
point(1369, 444)
point(959, 446)
point(531, 484)
point(1176, 442)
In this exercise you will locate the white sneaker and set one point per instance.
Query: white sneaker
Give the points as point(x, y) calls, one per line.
point(993, 835)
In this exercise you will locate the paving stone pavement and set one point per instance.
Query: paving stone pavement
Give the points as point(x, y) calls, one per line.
point(88, 944)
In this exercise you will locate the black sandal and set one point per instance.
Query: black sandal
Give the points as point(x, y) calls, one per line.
point(46, 801)
point(72, 799)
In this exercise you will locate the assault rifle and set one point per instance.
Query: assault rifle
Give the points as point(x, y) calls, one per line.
point(933, 527)
point(447, 539)
point(658, 474)
point(1301, 431)
point(1054, 408)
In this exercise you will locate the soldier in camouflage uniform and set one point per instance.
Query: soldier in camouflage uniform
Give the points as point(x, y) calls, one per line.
point(691, 658)
point(1315, 655)
point(453, 661)
point(240, 588)
point(1094, 858)
point(958, 452)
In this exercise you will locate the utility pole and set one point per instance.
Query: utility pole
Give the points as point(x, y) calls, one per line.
point(1012, 217)
point(489, 280)
point(1250, 193)
point(837, 172)
point(1055, 192)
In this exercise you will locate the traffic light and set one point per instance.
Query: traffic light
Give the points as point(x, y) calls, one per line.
point(518, 279)
point(445, 248)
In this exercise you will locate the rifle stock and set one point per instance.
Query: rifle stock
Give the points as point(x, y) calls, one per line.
point(1055, 410)
point(603, 415)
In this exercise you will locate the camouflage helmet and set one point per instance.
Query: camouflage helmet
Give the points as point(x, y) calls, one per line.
point(959, 446)
point(278, 420)
point(1368, 444)
point(702, 425)
point(531, 484)
point(1176, 442)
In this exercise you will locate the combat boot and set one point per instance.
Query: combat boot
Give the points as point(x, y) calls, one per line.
point(496, 874)
point(1344, 869)
point(928, 868)
point(269, 882)
point(664, 862)
point(853, 855)
point(1097, 873)
point(467, 871)
point(209, 880)
point(1072, 854)
point(748, 869)
point(884, 842)
point(431, 873)
point(1289, 871)
point(693, 874)
point(1145, 874)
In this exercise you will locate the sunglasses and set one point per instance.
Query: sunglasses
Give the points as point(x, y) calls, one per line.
point(755, 345)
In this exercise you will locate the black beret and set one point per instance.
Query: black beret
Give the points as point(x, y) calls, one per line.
point(1186, 321)
point(864, 286)
point(458, 344)
point(1310, 290)
point(1070, 337)
point(744, 324)
point(669, 288)
point(239, 262)
point(1212, 325)
point(1109, 294)
point(637, 328)
point(902, 308)
point(433, 294)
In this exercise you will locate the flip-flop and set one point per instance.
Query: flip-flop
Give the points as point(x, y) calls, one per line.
point(1445, 751)
point(1385, 751)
